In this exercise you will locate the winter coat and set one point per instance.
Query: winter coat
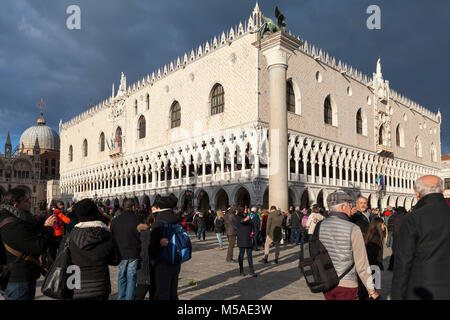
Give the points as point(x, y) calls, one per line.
point(230, 223)
point(124, 231)
point(61, 220)
point(422, 259)
point(360, 220)
point(73, 222)
point(296, 220)
point(93, 249)
point(256, 222)
point(26, 235)
point(398, 219)
point(156, 235)
point(264, 222)
point(143, 270)
point(200, 221)
point(219, 225)
point(274, 225)
point(243, 232)
point(313, 219)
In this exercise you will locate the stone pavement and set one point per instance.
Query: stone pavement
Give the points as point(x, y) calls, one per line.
point(219, 280)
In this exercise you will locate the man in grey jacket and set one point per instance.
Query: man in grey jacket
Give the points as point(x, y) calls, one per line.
point(274, 229)
point(345, 245)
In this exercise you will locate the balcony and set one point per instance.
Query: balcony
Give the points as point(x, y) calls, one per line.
point(116, 153)
point(384, 151)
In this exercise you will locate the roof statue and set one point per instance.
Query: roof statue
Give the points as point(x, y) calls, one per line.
point(269, 26)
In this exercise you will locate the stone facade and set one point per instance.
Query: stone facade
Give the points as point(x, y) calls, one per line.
point(222, 158)
point(445, 175)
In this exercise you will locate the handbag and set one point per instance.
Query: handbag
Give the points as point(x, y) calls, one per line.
point(55, 283)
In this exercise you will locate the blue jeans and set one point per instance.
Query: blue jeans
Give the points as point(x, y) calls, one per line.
point(200, 232)
point(255, 240)
point(295, 233)
point(126, 284)
point(389, 241)
point(219, 237)
point(20, 291)
point(249, 256)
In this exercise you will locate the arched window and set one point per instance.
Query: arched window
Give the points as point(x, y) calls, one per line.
point(418, 147)
point(135, 107)
point(330, 112)
point(217, 99)
point(101, 142)
point(399, 137)
point(118, 138)
point(141, 127)
point(85, 148)
point(381, 135)
point(147, 101)
point(290, 97)
point(70, 154)
point(433, 153)
point(175, 115)
point(359, 122)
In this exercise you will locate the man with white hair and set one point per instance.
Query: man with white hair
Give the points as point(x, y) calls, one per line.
point(256, 222)
point(422, 259)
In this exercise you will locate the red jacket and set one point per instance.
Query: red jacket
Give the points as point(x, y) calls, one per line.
point(61, 219)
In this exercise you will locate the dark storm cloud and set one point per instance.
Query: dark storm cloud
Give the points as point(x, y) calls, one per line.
point(39, 56)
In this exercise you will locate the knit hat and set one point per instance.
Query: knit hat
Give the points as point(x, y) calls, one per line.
point(87, 210)
point(169, 202)
point(338, 197)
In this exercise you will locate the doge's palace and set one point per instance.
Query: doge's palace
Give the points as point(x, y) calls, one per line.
point(198, 128)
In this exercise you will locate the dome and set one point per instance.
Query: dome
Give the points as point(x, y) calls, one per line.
point(47, 138)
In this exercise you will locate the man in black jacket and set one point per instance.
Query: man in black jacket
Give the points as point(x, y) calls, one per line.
point(126, 235)
point(362, 216)
point(422, 260)
point(21, 232)
point(166, 275)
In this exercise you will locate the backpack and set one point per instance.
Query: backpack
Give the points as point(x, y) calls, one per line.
point(317, 267)
point(304, 220)
point(179, 249)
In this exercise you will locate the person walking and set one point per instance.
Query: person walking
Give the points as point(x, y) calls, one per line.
point(296, 225)
point(166, 275)
point(274, 230)
point(22, 236)
point(422, 259)
point(256, 224)
point(345, 245)
point(92, 248)
point(264, 217)
point(244, 234)
point(145, 272)
point(219, 228)
point(230, 229)
point(395, 222)
point(126, 235)
point(200, 221)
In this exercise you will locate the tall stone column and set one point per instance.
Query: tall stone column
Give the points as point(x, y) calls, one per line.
point(278, 48)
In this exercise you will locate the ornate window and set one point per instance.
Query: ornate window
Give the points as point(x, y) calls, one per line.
point(418, 147)
point(102, 142)
point(217, 99)
point(118, 138)
point(70, 154)
point(141, 127)
point(328, 111)
point(359, 122)
point(85, 148)
point(290, 97)
point(399, 137)
point(175, 115)
point(381, 135)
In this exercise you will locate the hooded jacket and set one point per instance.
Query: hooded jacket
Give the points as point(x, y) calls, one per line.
point(26, 235)
point(93, 249)
point(422, 260)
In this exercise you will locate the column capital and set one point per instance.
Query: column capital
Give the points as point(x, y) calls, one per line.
point(278, 47)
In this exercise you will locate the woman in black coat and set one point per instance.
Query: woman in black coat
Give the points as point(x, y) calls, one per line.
point(245, 232)
point(93, 249)
point(145, 272)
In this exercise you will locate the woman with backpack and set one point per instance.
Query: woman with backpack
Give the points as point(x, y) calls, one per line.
point(219, 228)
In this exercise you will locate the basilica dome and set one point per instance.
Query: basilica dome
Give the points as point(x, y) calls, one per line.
point(47, 137)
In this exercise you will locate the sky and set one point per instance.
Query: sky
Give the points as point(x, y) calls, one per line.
point(41, 57)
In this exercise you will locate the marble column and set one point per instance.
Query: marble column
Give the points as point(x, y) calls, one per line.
point(278, 48)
